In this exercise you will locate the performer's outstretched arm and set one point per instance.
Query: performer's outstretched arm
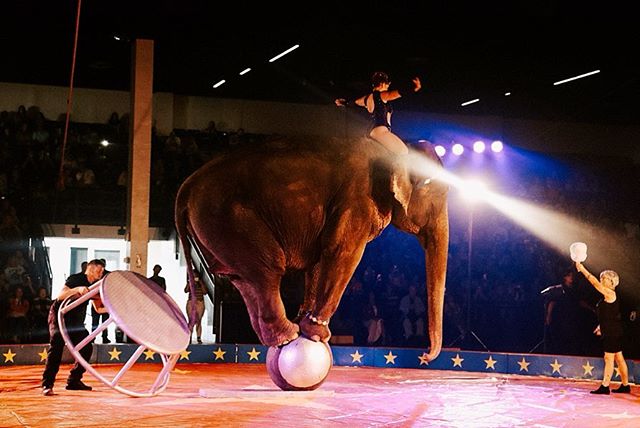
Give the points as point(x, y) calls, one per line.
point(609, 294)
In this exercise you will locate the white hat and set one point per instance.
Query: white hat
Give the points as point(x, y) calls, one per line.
point(578, 251)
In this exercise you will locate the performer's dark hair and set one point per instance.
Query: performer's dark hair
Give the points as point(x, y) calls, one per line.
point(378, 78)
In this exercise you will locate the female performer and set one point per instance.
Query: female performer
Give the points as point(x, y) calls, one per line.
point(377, 104)
point(610, 328)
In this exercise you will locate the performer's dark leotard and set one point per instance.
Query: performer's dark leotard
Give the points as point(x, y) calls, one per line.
point(380, 111)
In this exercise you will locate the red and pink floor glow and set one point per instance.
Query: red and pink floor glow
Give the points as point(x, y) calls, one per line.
point(242, 394)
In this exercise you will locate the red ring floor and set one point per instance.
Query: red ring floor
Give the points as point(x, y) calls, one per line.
point(231, 395)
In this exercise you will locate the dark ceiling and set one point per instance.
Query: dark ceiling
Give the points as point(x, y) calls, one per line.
point(461, 53)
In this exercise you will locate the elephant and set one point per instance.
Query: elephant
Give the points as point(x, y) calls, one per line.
point(311, 204)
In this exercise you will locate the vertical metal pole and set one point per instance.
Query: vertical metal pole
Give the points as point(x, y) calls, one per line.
point(469, 255)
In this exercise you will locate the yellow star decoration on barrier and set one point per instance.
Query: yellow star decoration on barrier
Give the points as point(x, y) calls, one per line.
point(253, 354)
point(588, 369)
point(457, 361)
point(524, 365)
point(114, 354)
point(555, 366)
point(9, 356)
point(43, 355)
point(423, 359)
point(219, 354)
point(149, 354)
point(391, 359)
point(356, 357)
point(491, 363)
point(617, 372)
point(184, 355)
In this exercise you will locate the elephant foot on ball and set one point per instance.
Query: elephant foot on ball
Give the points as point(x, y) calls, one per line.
point(315, 331)
point(280, 334)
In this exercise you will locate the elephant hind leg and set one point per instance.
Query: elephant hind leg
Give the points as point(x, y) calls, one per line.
point(266, 310)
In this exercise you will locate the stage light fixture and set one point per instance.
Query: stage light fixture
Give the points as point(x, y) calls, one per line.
point(457, 149)
point(478, 146)
point(440, 150)
point(497, 146)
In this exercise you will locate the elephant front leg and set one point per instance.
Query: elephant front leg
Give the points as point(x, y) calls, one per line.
point(310, 291)
point(332, 274)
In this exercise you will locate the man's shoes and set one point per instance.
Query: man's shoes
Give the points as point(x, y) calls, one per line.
point(199, 340)
point(78, 386)
point(105, 340)
point(601, 390)
point(47, 391)
point(623, 389)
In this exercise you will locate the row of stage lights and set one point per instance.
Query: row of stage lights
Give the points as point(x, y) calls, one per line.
point(458, 149)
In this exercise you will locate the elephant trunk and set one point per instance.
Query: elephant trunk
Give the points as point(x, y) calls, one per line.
point(436, 252)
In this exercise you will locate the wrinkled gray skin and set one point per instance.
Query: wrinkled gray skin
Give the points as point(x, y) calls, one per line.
point(311, 205)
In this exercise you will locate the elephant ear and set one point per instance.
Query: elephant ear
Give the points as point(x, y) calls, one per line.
point(390, 175)
point(400, 184)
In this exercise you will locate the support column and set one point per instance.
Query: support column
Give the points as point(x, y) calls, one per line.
point(139, 170)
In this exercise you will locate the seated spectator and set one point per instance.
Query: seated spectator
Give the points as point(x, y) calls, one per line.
point(17, 321)
point(14, 272)
point(10, 231)
point(372, 321)
point(413, 311)
point(172, 145)
point(114, 120)
point(389, 306)
point(39, 313)
point(85, 177)
point(211, 129)
point(237, 137)
point(122, 179)
point(40, 134)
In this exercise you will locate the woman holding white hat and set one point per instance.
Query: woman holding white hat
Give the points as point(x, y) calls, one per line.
point(610, 328)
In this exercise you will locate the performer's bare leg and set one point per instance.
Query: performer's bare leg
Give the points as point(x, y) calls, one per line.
point(384, 136)
point(622, 368)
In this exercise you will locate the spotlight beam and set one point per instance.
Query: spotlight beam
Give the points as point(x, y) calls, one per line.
point(607, 249)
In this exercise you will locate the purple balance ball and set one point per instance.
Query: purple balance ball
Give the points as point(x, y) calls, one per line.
point(301, 365)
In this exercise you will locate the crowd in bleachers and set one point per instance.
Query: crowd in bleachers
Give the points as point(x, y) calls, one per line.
point(385, 300)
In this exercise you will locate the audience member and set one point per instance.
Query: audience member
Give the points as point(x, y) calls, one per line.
point(39, 313)
point(17, 321)
point(372, 321)
point(413, 311)
point(157, 278)
point(195, 307)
